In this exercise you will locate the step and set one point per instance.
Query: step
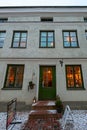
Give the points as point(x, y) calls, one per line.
point(44, 105)
point(44, 114)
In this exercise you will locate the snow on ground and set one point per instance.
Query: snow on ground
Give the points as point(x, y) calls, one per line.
point(80, 120)
point(20, 117)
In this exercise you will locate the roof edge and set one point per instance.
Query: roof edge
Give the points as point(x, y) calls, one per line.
point(2, 7)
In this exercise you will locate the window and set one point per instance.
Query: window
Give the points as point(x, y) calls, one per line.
point(86, 34)
point(74, 77)
point(47, 39)
point(70, 39)
point(2, 38)
point(46, 19)
point(85, 19)
point(3, 20)
point(14, 76)
point(19, 39)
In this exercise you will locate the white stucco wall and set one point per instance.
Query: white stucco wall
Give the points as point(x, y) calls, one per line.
point(33, 56)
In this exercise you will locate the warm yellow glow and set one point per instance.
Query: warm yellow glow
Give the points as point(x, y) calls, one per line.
point(49, 71)
point(68, 39)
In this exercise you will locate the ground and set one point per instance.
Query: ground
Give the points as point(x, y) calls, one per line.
point(80, 120)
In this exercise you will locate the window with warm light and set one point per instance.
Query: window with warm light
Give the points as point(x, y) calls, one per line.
point(47, 39)
point(74, 77)
point(14, 76)
point(19, 39)
point(70, 39)
point(2, 38)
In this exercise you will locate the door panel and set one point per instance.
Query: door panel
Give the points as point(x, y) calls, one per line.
point(47, 83)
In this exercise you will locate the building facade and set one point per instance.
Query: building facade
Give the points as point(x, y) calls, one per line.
point(45, 45)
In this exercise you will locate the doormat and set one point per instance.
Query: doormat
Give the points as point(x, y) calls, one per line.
point(42, 124)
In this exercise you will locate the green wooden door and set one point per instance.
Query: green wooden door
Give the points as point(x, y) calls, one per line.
point(47, 83)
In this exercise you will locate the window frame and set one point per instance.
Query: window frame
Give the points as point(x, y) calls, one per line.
point(86, 34)
point(46, 19)
point(85, 19)
point(4, 37)
point(6, 75)
point(47, 31)
point(19, 43)
point(69, 31)
point(74, 88)
point(3, 20)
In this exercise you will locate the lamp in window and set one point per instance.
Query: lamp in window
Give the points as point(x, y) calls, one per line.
point(68, 38)
point(61, 62)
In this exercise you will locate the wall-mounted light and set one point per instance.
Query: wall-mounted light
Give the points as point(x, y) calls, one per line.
point(61, 62)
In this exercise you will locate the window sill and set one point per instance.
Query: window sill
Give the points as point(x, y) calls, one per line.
point(77, 89)
point(11, 88)
point(18, 47)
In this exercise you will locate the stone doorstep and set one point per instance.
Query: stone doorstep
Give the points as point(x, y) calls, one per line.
point(44, 105)
point(44, 114)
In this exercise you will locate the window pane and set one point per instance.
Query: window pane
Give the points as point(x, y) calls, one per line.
point(43, 34)
point(15, 44)
point(43, 44)
point(86, 35)
point(66, 34)
point(23, 44)
point(2, 37)
point(70, 77)
point(73, 39)
point(73, 34)
point(50, 44)
point(50, 34)
point(74, 44)
point(43, 38)
point(66, 44)
point(19, 77)
point(78, 80)
point(10, 77)
point(47, 77)
point(24, 35)
point(17, 34)
point(50, 38)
